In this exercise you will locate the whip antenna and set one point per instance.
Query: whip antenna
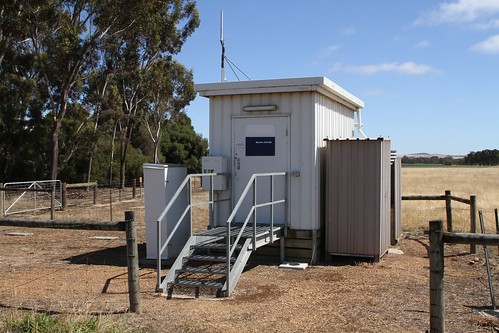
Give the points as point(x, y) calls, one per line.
point(223, 46)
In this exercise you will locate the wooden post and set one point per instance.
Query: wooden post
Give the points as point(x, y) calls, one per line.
point(95, 194)
point(132, 262)
point(497, 226)
point(52, 202)
point(473, 221)
point(448, 210)
point(64, 195)
point(2, 200)
point(134, 188)
point(437, 300)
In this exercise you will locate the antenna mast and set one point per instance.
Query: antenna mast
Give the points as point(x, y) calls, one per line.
point(223, 78)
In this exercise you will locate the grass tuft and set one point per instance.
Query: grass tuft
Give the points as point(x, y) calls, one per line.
point(18, 322)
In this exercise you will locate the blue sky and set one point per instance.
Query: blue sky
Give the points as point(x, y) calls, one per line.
point(428, 71)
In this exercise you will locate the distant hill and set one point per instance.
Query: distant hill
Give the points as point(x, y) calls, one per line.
point(428, 155)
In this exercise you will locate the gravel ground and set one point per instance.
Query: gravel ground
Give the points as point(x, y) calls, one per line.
point(72, 271)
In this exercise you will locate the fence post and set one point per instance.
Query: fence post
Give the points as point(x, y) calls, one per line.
point(95, 194)
point(497, 226)
point(52, 201)
point(473, 221)
point(2, 200)
point(64, 195)
point(437, 300)
point(134, 188)
point(448, 210)
point(132, 262)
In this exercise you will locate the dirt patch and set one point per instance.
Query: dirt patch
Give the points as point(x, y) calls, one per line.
point(74, 271)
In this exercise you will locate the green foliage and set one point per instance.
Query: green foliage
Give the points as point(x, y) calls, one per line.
point(181, 145)
point(484, 157)
point(433, 160)
point(73, 75)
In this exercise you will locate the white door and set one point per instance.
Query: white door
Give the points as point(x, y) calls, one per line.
point(261, 145)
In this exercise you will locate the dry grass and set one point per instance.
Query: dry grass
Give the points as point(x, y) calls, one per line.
point(463, 182)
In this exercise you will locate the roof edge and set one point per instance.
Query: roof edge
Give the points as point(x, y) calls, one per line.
point(319, 84)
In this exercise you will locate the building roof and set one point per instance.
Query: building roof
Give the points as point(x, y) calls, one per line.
point(319, 84)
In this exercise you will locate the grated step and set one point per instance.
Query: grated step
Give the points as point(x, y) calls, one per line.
point(198, 283)
point(217, 246)
point(210, 258)
point(203, 270)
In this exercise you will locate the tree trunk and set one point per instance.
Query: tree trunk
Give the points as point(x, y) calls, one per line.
point(55, 149)
point(156, 148)
point(124, 145)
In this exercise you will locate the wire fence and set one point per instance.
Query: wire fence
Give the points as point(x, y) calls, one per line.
point(32, 196)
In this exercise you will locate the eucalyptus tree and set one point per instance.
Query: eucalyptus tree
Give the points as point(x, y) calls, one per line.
point(169, 89)
point(64, 37)
point(160, 30)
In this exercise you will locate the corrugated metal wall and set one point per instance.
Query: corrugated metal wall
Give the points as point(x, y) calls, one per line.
point(357, 220)
point(313, 118)
point(396, 200)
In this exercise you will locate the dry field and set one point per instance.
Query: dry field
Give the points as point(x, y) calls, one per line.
point(462, 182)
point(73, 272)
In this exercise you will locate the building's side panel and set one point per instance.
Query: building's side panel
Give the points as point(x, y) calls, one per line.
point(220, 145)
point(385, 159)
point(303, 187)
point(331, 120)
point(334, 120)
point(396, 200)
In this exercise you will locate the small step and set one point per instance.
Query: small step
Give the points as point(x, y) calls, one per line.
point(210, 258)
point(202, 270)
point(198, 283)
point(211, 246)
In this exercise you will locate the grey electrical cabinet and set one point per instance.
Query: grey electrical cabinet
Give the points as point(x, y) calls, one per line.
point(161, 181)
point(357, 203)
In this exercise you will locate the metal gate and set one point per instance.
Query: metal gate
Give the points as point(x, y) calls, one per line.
point(21, 197)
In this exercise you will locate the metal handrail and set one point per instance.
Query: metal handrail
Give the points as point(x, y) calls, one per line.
point(162, 216)
point(252, 212)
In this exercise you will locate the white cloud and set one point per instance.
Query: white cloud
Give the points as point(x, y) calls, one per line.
point(409, 67)
point(477, 12)
point(492, 24)
point(329, 50)
point(422, 44)
point(374, 92)
point(488, 46)
point(348, 31)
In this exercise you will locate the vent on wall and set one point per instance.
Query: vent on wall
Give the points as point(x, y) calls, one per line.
point(257, 108)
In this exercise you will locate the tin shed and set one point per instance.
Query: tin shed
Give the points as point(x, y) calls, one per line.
point(279, 126)
point(358, 197)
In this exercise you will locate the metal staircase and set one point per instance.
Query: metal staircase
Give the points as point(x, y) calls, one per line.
point(216, 258)
point(203, 261)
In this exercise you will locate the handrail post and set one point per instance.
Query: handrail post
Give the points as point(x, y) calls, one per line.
point(132, 262)
point(189, 203)
point(473, 221)
point(227, 260)
point(448, 210)
point(437, 298)
point(158, 254)
point(254, 213)
point(272, 209)
point(211, 221)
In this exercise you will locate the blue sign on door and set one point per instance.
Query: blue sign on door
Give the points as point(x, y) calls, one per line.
point(260, 146)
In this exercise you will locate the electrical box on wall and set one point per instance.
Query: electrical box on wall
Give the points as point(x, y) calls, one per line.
point(214, 164)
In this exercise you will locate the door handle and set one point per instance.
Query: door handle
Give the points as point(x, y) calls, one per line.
point(237, 161)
